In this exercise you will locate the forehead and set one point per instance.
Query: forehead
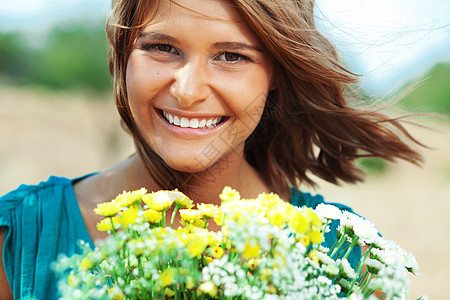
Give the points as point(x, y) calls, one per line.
point(218, 10)
point(200, 16)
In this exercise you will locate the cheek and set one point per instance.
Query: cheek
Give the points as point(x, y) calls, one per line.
point(144, 81)
point(248, 95)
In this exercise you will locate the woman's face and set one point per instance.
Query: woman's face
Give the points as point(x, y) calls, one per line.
point(197, 80)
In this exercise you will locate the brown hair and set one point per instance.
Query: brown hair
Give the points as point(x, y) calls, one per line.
point(310, 122)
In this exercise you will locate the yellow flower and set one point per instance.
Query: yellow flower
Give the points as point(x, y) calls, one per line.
point(86, 264)
point(190, 215)
point(128, 217)
point(152, 216)
point(104, 225)
point(115, 293)
point(200, 223)
point(313, 256)
point(208, 288)
point(181, 199)
point(304, 239)
point(190, 282)
point(107, 209)
point(271, 289)
point(196, 243)
point(208, 210)
point(169, 292)
point(253, 263)
point(130, 198)
point(229, 194)
point(277, 216)
point(160, 200)
point(213, 239)
point(217, 252)
point(266, 274)
point(298, 221)
point(270, 200)
point(138, 246)
point(167, 277)
point(314, 220)
point(315, 236)
point(219, 219)
point(252, 249)
point(73, 281)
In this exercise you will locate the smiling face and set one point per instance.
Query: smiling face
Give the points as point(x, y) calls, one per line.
point(197, 79)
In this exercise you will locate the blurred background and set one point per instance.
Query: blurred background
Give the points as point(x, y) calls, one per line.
point(57, 115)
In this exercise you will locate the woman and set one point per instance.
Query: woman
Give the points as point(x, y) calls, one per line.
point(242, 93)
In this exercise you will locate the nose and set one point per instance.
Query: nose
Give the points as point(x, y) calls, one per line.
point(190, 85)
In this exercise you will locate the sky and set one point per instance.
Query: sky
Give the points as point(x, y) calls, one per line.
point(388, 42)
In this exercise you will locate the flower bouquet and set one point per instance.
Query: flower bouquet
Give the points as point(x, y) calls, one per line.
point(266, 249)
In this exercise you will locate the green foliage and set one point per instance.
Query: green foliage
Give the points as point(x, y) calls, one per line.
point(373, 165)
point(433, 93)
point(14, 61)
point(71, 58)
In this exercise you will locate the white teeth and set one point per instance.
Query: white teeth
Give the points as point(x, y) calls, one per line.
point(184, 122)
point(192, 123)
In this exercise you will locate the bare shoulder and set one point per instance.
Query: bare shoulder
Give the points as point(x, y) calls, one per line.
point(89, 192)
point(104, 187)
point(5, 290)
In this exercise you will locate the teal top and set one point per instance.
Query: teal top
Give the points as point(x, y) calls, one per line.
point(43, 220)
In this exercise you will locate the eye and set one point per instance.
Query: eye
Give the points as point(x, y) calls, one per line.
point(232, 57)
point(160, 47)
point(165, 48)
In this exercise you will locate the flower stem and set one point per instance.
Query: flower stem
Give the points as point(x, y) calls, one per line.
point(359, 267)
point(173, 215)
point(354, 241)
point(162, 223)
point(338, 245)
point(113, 227)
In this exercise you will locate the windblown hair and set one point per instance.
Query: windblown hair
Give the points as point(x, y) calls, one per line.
point(313, 122)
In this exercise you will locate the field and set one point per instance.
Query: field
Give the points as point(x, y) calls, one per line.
point(43, 134)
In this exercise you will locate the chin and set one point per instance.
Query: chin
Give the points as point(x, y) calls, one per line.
point(187, 165)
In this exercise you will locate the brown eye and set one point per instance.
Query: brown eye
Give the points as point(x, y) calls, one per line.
point(159, 47)
point(232, 57)
point(164, 48)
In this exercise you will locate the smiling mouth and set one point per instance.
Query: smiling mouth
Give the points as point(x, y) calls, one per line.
point(197, 123)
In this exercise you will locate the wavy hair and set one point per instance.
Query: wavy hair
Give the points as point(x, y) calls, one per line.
point(314, 121)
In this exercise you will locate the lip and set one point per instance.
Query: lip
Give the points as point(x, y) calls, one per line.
point(188, 132)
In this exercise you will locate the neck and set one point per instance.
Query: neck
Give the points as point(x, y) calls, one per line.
point(204, 187)
point(233, 171)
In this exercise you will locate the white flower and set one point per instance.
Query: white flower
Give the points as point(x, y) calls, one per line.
point(324, 258)
point(373, 265)
point(346, 223)
point(331, 270)
point(346, 269)
point(328, 211)
point(412, 265)
point(364, 229)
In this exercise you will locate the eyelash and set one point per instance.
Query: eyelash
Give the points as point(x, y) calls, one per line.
point(156, 47)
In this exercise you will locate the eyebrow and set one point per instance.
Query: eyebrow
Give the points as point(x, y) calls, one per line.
point(235, 46)
point(161, 37)
point(158, 37)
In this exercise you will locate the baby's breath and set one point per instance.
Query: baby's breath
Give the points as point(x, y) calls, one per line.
point(266, 249)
